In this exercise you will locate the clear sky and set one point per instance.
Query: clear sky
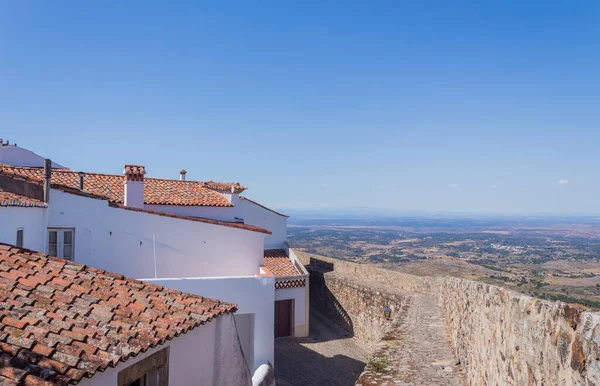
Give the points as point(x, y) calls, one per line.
point(459, 106)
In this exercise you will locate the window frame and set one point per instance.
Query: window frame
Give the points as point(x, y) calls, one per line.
point(60, 242)
point(154, 363)
point(20, 230)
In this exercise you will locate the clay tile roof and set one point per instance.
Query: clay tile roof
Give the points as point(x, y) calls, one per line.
point(264, 207)
point(156, 190)
point(225, 187)
point(134, 169)
point(11, 199)
point(61, 321)
point(278, 262)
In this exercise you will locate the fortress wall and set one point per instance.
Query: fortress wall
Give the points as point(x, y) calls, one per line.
point(505, 338)
point(355, 307)
point(500, 336)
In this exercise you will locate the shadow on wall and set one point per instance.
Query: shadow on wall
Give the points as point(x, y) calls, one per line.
point(323, 299)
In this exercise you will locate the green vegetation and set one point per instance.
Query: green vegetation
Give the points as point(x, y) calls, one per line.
point(379, 364)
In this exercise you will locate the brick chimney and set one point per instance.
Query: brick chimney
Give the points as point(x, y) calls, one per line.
point(182, 174)
point(134, 186)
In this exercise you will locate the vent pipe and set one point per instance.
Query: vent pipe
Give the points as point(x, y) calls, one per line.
point(47, 176)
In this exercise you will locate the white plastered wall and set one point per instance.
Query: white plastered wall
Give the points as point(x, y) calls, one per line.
point(254, 295)
point(299, 297)
point(213, 212)
point(209, 355)
point(17, 156)
point(31, 220)
point(129, 242)
point(255, 215)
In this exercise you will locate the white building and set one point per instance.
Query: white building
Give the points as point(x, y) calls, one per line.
point(198, 237)
point(72, 324)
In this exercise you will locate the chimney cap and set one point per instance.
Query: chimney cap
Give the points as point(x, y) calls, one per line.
point(182, 171)
point(134, 170)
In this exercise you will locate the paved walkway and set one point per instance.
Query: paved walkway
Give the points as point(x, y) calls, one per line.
point(416, 351)
point(329, 357)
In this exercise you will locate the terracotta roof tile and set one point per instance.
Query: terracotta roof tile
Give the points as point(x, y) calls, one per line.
point(156, 191)
point(61, 321)
point(11, 199)
point(225, 187)
point(278, 262)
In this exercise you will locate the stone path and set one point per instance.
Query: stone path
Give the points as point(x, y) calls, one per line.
point(415, 351)
point(330, 356)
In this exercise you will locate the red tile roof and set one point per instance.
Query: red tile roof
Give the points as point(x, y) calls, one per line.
point(157, 191)
point(264, 207)
point(278, 262)
point(61, 321)
point(197, 219)
point(225, 187)
point(11, 199)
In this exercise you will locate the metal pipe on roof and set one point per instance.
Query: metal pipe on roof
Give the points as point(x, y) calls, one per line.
point(47, 176)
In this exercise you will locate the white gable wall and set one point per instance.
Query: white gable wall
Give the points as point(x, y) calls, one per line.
point(256, 215)
point(17, 156)
point(253, 295)
point(32, 220)
point(213, 212)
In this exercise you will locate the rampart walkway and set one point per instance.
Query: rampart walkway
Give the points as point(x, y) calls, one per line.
point(415, 350)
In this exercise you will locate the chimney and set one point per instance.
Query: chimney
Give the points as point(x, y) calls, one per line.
point(47, 176)
point(134, 186)
point(81, 180)
point(182, 174)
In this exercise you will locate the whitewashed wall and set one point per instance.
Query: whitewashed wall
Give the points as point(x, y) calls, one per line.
point(252, 295)
point(213, 212)
point(17, 156)
point(32, 220)
point(299, 296)
point(261, 217)
point(126, 242)
point(197, 358)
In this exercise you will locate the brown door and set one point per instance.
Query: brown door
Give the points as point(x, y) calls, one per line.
point(283, 318)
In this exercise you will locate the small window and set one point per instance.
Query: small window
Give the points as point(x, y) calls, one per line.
point(150, 371)
point(61, 243)
point(20, 238)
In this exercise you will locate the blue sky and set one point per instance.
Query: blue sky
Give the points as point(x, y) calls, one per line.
point(466, 106)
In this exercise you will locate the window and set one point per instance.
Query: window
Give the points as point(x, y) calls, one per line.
point(20, 238)
point(60, 243)
point(150, 371)
point(149, 379)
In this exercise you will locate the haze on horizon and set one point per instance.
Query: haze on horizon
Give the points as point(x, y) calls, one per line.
point(413, 106)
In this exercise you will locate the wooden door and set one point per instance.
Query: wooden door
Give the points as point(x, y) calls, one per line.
point(283, 318)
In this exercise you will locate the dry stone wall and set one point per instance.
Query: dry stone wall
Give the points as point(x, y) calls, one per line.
point(501, 337)
point(356, 307)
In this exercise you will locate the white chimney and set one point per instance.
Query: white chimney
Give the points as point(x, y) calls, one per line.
point(182, 174)
point(134, 186)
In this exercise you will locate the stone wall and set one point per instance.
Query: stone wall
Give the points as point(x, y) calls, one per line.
point(501, 337)
point(356, 307)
